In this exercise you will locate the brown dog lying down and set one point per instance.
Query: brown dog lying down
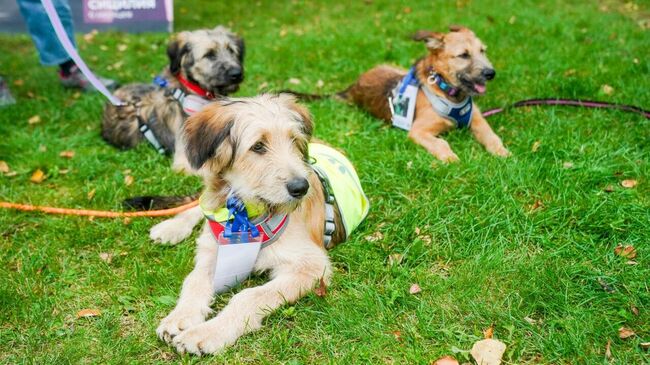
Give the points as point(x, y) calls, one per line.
point(455, 69)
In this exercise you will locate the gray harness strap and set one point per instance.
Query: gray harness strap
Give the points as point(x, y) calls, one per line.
point(330, 199)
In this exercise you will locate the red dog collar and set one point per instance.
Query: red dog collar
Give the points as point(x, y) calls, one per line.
point(194, 87)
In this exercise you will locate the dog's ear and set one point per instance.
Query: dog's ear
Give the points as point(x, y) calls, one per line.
point(303, 115)
point(433, 40)
point(207, 135)
point(176, 48)
point(458, 28)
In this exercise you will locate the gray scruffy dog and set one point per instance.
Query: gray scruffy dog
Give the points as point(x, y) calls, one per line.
point(203, 64)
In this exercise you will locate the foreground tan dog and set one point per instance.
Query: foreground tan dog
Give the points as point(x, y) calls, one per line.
point(458, 57)
point(204, 63)
point(257, 148)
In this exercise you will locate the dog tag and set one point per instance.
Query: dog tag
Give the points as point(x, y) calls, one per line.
point(402, 107)
point(236, 256)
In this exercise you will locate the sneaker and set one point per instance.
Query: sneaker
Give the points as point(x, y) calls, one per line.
point(77, 80)
point(5, 94)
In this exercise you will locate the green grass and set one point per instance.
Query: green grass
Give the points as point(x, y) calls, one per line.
point(490, 259)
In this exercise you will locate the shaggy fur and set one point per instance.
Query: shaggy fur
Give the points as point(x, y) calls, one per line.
point(211, 58)
point(253, 147)
point(459, 57)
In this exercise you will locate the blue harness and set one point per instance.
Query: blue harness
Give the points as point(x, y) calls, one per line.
point(459, 113)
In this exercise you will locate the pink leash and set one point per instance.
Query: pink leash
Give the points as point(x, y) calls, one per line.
point(570, 102)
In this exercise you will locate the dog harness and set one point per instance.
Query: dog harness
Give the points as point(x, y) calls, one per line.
point(459, 113)
point(190, 103)
point(235, 260)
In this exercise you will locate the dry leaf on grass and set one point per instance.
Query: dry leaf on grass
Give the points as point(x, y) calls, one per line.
point(609, 188)
point(538, 204)
point(395, 259)
point(35, 119)
point(106, 257)
point(38, 176)
point(320, 84)
point(530, 320)
point(608, 350)
point(374, 237)
point(568, 165)
point(489, 332)
point(625, 333)
point(128, 180)
point(645, 345)
point(447, 360)
point(19, 82)
point(414, 289)
point(629, 183)
point(294, 81)
point(4, 167)
point(87, 313)
point(263, 85)
point(634, 309)
point(321, 290)
point(397, 335)
point(67, 154)
point(607, 90)
point(122, 47)
point(91, 194)
point(628, 251)
point(536, 145)
point(488, 351)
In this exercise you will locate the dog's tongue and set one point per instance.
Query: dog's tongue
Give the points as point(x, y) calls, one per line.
point(479, 88)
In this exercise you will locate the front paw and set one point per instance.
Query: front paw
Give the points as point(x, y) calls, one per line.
point(500, 151)
point(205, 338)
point(179, 320)
point(170, 231)
point(448, 157)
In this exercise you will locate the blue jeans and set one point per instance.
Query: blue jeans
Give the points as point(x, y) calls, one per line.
point(50, 50)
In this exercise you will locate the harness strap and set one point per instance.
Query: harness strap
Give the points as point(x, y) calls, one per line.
point(271, 227)
point(330, 200)
point(459, 113)
point(148, 134)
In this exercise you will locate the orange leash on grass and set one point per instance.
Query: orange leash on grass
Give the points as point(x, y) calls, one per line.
point(98, 213)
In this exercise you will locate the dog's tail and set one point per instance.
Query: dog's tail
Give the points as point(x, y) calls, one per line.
point(342, 95)
point(152, 202)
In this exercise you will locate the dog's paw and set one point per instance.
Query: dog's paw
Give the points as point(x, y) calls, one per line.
point(170, 231)
point(205, 338)
point(449, 158)
point(500, 151)
point(178, 321)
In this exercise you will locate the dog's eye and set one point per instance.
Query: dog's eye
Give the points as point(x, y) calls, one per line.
point(482, 50)
point(464, 55)
point(258, 147)
point(210, 55)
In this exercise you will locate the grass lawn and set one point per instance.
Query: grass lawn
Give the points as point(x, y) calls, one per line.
point(525, 244)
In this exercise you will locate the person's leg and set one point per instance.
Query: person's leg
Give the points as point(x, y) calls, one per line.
point(50, 50)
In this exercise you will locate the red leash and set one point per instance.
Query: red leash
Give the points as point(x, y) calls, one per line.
point(571, 102)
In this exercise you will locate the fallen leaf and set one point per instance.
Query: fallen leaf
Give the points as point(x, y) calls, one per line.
point(635, 61)
point(607, 90)
point(538, 204)
point(320, 84)
point(488, 351)
point(103, 47)
point(489, 332)
point(294, 81)
point(645, 345)
point(536, 145)
point(608, 350)
point(605, 286)
point(414, 289)
point(263, 85)
point(67, 154)
point(87, 313)
point(634, 309)
point(122, 47)
point(19, 82)
point(609, 188)
point(570, 72)
point(530, 320)
point(126, 221)
point(106, 257)
point(447, 360)
point(283, 32)
point(426, 239)
point(512, 19)
point(631, 262)
point(42, 148)
point(629, 183)
point(90, 36)
point(397, 335)
point(628, 251)
point(417, 230)
point(11, 174)
point(374, 237)
point(321, 290)
point(625, 333)
point(568, 165)
point(35, 119)
point(4, 167)
point(128, 180)
point(91, 194)
point(407, 10)
point(409, 165)
point(395, 259)
point(64, 171)
point(118, 65)
point(38, 176)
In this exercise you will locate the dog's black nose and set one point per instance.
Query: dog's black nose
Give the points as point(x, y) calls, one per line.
point(298, 187)
point(489, 73)
point(235, 74)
